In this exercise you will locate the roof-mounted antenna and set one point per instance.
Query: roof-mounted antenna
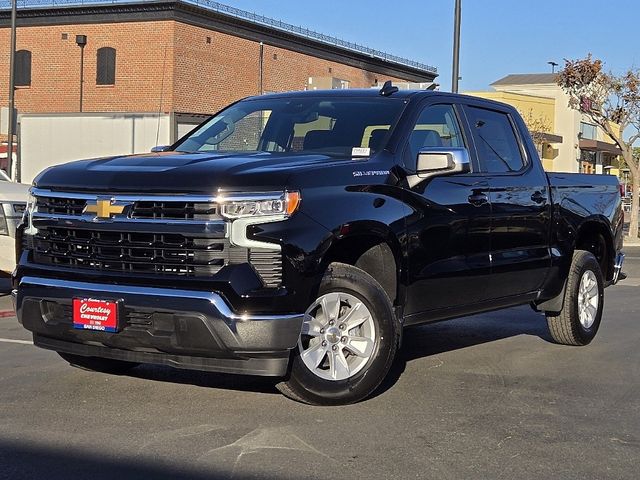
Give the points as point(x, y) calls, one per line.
point(388, 89)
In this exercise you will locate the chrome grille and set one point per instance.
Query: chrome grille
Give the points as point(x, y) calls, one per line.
point(68, 238)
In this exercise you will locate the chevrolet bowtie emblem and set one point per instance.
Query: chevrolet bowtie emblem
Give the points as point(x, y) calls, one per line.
point(104, 207)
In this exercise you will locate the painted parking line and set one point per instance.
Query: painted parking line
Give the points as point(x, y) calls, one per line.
point(11, 340)
point(7, 313)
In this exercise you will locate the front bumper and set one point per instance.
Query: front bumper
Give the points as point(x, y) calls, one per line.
point(182, 328)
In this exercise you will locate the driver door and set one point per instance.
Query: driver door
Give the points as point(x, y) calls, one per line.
point(448, 229)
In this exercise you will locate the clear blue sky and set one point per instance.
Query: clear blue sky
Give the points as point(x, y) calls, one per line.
point(498, 36)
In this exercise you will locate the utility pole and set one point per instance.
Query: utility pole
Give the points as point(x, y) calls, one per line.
point(12, 88)
point(261, 62)
point(455, 73)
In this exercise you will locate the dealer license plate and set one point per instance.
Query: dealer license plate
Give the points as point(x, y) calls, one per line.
point(93, 314)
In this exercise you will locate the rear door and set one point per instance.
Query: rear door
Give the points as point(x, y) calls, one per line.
point(520, 203)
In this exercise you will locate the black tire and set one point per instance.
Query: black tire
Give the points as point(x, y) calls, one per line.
point(305, 386)
point(565, 327)
point(97, 364)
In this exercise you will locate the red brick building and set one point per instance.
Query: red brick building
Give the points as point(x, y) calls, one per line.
point(175, 57)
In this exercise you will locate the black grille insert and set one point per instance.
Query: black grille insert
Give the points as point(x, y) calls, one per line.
point(60, 206)
point(154, 253)
point(175, 210)
point(131, 252)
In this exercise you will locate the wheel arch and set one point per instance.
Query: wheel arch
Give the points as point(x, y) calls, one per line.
point(373, 250)
point(594, 235)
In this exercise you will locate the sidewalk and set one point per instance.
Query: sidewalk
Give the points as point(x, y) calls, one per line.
point(630, 242)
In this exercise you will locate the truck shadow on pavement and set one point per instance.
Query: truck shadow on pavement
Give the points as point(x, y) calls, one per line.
point(20, 460)
point(440, 337)
point(418, 342)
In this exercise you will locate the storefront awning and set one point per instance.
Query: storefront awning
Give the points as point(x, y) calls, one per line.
point(598, 146)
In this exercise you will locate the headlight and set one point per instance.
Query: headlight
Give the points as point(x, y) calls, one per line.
point(263, 205)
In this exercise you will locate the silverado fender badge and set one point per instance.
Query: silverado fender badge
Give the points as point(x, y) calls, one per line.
point(370, 173)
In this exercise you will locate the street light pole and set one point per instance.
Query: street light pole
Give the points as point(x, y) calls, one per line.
point(81, 41)
point(455, 71)
point(12, 87)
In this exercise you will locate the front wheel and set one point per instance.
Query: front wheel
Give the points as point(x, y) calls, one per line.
point(348, 341)
point(578, 321)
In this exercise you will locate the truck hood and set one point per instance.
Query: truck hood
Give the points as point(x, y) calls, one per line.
point(173, 172)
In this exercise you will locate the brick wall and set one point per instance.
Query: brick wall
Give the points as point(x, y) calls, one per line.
point(55, 68)
point(160, 65)
point(209, 76)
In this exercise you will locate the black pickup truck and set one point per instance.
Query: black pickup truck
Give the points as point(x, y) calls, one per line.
point(295, 235)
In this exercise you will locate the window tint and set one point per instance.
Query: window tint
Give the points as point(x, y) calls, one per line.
point(496, 141)
point(23, 68)
point(106, 66)
point(436, 127)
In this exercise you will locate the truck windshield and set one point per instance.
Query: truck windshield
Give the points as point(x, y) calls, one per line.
point(298, 125)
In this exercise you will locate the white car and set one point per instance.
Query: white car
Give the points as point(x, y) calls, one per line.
point(13, 200)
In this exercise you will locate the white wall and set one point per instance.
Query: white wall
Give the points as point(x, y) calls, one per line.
point(52, 139)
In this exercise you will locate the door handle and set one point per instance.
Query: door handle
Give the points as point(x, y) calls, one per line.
point(478, 199)
point(538, 197)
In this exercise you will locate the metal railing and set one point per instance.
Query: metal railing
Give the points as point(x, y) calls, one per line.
point(244, 15)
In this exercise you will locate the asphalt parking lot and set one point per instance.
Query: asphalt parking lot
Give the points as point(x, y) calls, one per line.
point(487, 396)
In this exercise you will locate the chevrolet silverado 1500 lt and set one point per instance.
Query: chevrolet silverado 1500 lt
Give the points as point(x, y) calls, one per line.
point(295, 235)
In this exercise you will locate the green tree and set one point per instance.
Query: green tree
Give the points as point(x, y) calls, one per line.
point(613, 103)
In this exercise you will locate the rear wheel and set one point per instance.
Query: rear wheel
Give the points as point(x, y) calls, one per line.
point(348, 341)
point(97, 364)
point(578, 321)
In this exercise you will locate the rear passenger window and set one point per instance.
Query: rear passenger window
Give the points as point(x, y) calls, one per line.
point(496, 141)
point(437, 126)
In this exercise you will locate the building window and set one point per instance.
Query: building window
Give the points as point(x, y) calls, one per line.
point(588, 131)
point(23, 68)
point(106, 70)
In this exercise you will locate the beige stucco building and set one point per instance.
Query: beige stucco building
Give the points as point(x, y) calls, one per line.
point(571, 143)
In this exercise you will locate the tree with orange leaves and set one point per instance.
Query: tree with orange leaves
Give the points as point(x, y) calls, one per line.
point(609, 100)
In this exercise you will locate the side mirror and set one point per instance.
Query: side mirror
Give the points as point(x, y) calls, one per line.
point(160, 148)
point(435, 161)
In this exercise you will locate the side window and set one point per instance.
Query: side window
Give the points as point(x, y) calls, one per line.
point(437, 126)
point(496, 141)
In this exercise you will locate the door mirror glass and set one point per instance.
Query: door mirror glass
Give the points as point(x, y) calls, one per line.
point(434, 161)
